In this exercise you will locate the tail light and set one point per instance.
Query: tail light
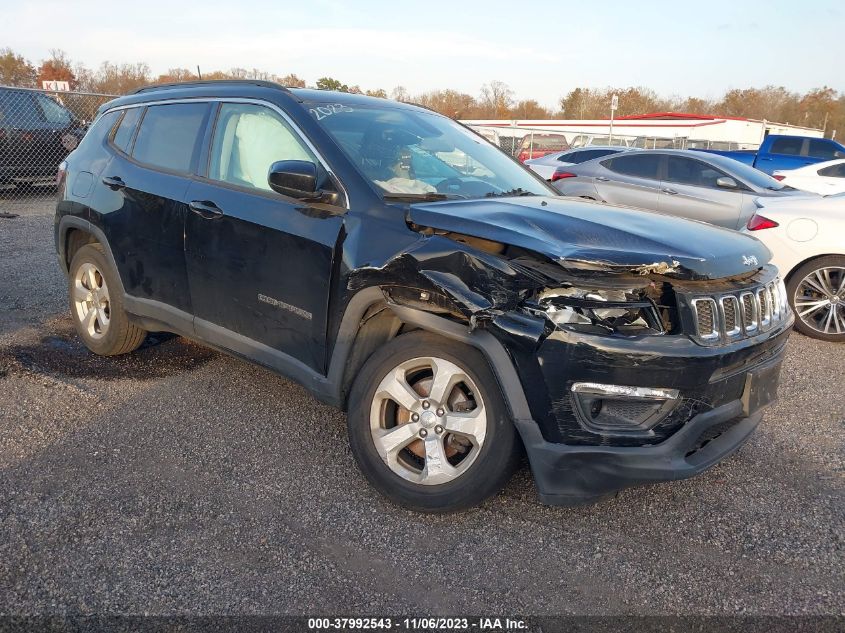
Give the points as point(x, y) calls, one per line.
point(759, 222)
point(60, 174)
point(778, 177)
point(560, 175)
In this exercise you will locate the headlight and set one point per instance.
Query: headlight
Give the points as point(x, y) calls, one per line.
point(782, 299)
point(617, 310)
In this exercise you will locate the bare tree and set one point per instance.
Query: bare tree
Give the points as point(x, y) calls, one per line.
point(496, 100)
point(399, 93)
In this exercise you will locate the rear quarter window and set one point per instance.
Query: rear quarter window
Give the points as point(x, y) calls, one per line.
point(102, 127)
point(126, 129)
point(833, 171)
point(169, 136)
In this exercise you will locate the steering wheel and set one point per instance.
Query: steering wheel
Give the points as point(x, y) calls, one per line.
point(449, 185)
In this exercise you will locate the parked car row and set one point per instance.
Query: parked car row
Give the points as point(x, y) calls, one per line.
point(805, 232)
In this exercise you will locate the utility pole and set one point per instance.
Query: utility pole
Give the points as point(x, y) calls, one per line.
point(614, 104)
point(199, 74)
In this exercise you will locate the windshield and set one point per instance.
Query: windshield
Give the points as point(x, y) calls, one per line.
point(407, 153)
point(750, 175)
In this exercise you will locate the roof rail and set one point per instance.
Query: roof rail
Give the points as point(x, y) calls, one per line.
point(211, 82)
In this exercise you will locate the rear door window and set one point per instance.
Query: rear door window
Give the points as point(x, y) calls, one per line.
point(789, 145)
point(170, 136)
point(126, 129)
point(638, 165)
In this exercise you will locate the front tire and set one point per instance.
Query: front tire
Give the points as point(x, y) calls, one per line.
point(428, 425)
point(816, 292)
point(96, 305)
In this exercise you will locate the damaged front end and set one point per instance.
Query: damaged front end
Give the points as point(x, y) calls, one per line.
point(627, 355)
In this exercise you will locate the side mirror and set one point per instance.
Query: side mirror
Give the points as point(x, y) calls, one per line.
point(294, 178)
point(726, 182)
point(838, 154)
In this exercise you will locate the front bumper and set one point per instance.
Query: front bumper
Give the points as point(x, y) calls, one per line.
point(572, 474)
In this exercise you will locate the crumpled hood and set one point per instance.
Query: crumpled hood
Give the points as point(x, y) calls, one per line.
point(585, 236)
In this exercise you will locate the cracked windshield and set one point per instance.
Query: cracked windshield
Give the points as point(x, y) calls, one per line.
point(411, 154)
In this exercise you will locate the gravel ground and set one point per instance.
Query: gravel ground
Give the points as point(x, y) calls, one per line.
point(180, 481)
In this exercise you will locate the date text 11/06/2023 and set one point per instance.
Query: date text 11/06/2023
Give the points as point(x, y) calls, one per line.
point(418, 624)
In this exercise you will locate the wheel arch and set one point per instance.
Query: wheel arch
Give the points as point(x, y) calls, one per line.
point(73, 233)
point(788, 276)
point(370, 321)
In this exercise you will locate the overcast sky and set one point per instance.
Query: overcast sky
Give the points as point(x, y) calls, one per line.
point(542, 50)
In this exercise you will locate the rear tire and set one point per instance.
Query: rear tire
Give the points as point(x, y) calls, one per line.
point(96, 305)
point(816, 292)
point(449, 444)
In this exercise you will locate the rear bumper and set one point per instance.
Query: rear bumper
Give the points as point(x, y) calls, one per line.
point(569, 475)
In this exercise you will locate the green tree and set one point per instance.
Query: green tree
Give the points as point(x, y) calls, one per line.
point(329, 83)
point(15, 70)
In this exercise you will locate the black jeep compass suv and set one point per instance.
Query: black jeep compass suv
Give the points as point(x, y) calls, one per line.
point(406, 270)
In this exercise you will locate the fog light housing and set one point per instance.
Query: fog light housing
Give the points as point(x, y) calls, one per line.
point(621, 409)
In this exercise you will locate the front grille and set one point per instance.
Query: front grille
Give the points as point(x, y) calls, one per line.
point(749, 312)
point(739, 314)
point(705, 318)
point(731, 315)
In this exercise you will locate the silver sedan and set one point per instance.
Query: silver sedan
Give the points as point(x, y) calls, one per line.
point(693, 185)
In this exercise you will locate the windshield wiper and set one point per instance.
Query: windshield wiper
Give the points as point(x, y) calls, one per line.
point(430, 196)
point(513, 192)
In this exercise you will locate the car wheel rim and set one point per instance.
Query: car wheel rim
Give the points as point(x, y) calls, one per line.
point(91, 300)
point(819, 300)
point(428, 421)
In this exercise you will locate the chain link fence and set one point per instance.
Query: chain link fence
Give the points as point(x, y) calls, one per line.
point(37, 130)
point(533, 142)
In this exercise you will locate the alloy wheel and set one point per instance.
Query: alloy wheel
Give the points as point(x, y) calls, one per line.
point(819, 300)
point(91, 300)
point(428, 420)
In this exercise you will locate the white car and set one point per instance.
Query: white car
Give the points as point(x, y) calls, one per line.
point(826, 178)
point(807, 238)
point(545, 166)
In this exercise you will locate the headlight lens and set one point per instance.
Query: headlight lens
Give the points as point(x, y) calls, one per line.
point(609, 310)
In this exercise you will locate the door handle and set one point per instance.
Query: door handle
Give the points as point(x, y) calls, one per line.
point(205, 209)
point(114, 182)
point(602, 178)
point(671, 192)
